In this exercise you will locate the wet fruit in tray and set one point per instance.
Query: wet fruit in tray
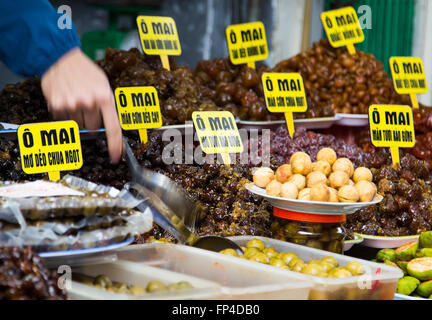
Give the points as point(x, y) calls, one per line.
point(386, 254)
point(407, 285)
point(425, 240)
point(406, 252)
point(425, 289)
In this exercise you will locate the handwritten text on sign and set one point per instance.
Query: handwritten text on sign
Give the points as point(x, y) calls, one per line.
point(342, 27)
point(217, 132)
point(391, 126)
point(247, 42)
point(50, 146)
point(408, 75)
point(284, 92)
point(158, 35)
point(138, 108)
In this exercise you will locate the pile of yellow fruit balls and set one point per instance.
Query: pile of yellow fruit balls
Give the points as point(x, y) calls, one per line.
point(328, 266)
point(329, 179)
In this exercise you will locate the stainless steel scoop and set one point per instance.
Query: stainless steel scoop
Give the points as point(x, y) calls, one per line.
point(171, 208)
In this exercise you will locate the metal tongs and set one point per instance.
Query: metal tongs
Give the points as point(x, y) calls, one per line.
point(171, 208)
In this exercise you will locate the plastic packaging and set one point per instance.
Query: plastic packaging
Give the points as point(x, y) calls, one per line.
point(239, 278)
point(325, 232)
point(378, 283)
point(139, 274)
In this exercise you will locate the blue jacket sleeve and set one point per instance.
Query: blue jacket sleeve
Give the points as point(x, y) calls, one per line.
point(30, 38)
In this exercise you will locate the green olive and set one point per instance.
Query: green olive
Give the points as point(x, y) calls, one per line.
point(259, 257)
point(251, 252)
point(298, 266)
point(322, 274)
point(172, 287)
point(339, 273)
point(312, 269)
point(335, 246)
point(286, 256)
point(318, 262)
point(229, 252)
point(314, 244)
point(184, 285)
point(270, 252)
point(154, 286)
point(277, 262)
point(294, 261)
point(291, 229)
point(285, 267)
point(103, 281)
point(331, 260)
point(121, 285)
point(137, 290)
point(256, 243)
point(355, 268)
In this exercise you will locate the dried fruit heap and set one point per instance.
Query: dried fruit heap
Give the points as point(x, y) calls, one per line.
point(23, 276)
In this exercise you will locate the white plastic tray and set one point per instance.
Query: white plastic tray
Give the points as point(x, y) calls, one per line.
point(348, 244)
point(399, 296)
point(352, 120)
point(139, 274)
point(379, 282)
point(240, 279)
point(315, 207)
point(313, 123)
point(386, 242)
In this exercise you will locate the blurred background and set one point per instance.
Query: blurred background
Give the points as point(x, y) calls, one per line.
point(398, 27)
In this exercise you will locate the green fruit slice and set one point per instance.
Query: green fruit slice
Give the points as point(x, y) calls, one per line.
point(406, 252)
point(407, 285)
point(386, 254)
point(390, 263)
point(425, 289)
point(424, 252)
point(403, 266)
point(420, 268)
point(425, 240)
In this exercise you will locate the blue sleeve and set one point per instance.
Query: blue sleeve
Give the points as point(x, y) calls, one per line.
point(30, 38)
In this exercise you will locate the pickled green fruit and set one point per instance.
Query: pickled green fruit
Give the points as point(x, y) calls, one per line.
point(121, 286)
point(339, 273)
point(314, 244)
point(355, 268)
point(386, 254)
point(286, 256)
point(137, 290)
point(424, 252)
point(406, 252)
point(392, 264)
point(184, 285)
point(425, 289)
point(403, 266)
point(270, 252)
point(425, 240)
point(326, 266)
point(291, 229)
point(298, 266)
point(335, 246)
point(331, 260)
point(277, 262)
point(155, 286)
point(420, 268)
point(322, 274)
point(294, 261)
point(103, 281)
point(285, 267)
point(312, 269)
point(256, 243)
point(318, 262)
point(229, 252)
point(407, 285)
point(260, 257)
point(251, 252)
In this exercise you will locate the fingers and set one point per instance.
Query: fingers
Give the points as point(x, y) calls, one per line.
point(93, 119)
point(76, 115)
point(113, 129)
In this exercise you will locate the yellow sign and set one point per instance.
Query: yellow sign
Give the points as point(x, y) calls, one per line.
point(284, 92)
point(217, 133)
point(408, 77)
point(247, 43)
point(342, 28)
point(159, 36)
point(50, 147)
point(392, 126)
point(138, 109)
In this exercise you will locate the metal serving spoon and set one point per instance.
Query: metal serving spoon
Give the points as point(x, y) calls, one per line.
point(172, 210)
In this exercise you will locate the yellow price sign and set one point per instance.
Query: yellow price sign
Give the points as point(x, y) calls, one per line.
point(284, 92)
point(159, 36)
point(392, 126)
point(342, 28)
point(408, 77)
point(50, 147)
point(247, 43)
point(138, 109)
point(217, 133)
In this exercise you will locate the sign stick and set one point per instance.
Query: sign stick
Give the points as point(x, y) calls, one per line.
point(54, 175)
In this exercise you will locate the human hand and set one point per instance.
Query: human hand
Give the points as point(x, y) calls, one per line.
point(77, 89)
